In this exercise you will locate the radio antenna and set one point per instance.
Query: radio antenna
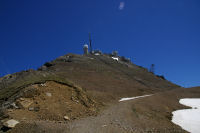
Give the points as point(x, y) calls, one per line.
point(90, 42)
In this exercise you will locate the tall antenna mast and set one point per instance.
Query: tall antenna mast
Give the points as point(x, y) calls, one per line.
point(90, 42)
point(152, 68)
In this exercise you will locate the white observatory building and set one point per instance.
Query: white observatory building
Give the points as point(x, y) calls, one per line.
point(85, 49)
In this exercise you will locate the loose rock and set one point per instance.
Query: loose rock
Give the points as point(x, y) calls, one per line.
point(31, 108)
point(36, 109)
point(43, 85)
point(11, 123)
point(66, 118)
point(48, 94)
point(24, 103)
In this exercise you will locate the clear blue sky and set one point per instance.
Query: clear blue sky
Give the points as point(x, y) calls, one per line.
point(163, 32)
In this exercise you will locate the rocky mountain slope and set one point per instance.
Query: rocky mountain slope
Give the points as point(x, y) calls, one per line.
point(76, 89)
point(99, 74)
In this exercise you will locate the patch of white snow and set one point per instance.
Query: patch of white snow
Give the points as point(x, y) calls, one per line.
point(188, 119)
point(131, 98)
point(191, 102)
point(115, 58)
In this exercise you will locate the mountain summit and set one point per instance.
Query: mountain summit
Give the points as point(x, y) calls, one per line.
point(79, 89)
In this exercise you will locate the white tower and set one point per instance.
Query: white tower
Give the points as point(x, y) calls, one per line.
point(85, 49)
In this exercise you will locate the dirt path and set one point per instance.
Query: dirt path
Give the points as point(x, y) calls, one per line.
point(114, 119)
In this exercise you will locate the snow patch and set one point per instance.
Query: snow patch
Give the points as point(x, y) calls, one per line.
point(188, 119)
point(131, 98)
point(191, 102)
point(115, 58)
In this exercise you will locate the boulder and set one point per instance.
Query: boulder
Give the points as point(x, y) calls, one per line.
point(43, 85)
point(66, 118)
point(11, 123)
point(31, 108)
point(48, 94)
point(36, 109)
point(13, 105)
point(48, 64)
point(24, 103)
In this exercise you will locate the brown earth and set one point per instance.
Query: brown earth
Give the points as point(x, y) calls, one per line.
point(52, 101)
point(143, 115)
point(107, 79)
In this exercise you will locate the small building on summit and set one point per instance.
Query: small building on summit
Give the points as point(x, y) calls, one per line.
point(115, 53)
point(85, 49)
point(96, 52)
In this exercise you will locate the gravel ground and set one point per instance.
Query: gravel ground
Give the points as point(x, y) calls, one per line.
point(119, 117)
